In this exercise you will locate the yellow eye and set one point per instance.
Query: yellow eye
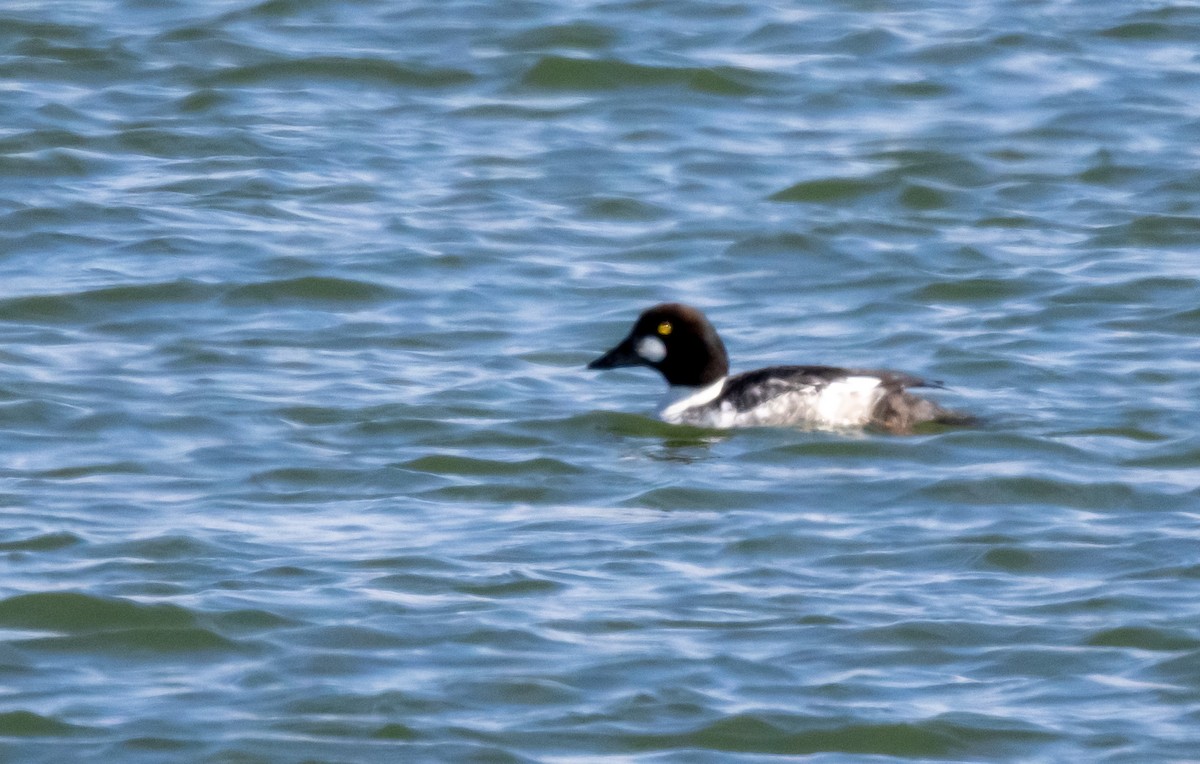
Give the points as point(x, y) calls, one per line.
point(664, 328)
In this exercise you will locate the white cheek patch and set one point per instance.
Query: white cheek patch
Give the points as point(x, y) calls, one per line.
point(652, 349)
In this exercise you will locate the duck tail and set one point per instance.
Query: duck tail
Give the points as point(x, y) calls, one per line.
point(899, 411)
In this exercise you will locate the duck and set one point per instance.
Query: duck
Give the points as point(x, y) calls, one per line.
point(680, 343)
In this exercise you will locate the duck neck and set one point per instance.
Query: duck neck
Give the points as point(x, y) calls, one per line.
point(680, 398)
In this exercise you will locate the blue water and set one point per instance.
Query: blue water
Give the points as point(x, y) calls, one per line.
point(299, 460)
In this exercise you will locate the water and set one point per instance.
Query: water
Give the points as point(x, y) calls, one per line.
point(300, 462)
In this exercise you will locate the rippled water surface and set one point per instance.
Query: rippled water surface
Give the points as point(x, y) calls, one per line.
point(299, 461)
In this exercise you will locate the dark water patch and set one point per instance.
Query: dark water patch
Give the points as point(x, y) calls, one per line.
point(526, 692)
point(1182, 670)
point(1132, 432)
point(1105, 173)
point(30, 724)
point(1143, 638)
point(625, 425)
point(173, 142)
point(1153, 30)
point(166, 548)
point(308, 290)
point(728, 81)
point(203, 100)
point(297, 499)
point(18, 27)
point(361, 71)
point(767, 546)
point(42, 241)
point(1099, 555)
point(510, 585)
point(78, 59)
point(395, 731)
point(516, 111)
point(779, 735)
point(414, 583)
point(1153, 290)
point(515, 640)
point(1018, 560)
point(622, 209)
point(941, 168)
point(916, 88)
point(787, 244)
point(489, 438)
point(43, 542)
point(870, 42)
point(86, 471)
point(122, 642)
point(448, 464)
point(697, 498)
point(578, 35)
point(941, 634)
point(155, 745)
point(36, 416)
point(1035, 491)
point(828, 448)
point(1171, 320)
point(272, 10)
point(596, 626)
point(471, 753)
point(1168, 572)
point(75, 612)
point(968, 290)
point(493, 494)
point(326, 731)
point(260, 195)
point(298, 478)
point(1012, 221)
point(352, 638)
point(100, 422)
point(251, 621)
point(156, 589)
point(410, 562)
point(284, 578)
point(54, 309)
point(158, 246)
point(1034, 446)
point(76, 218)
point(95, 304)
point(320, 416)
point(950, 55)
point(1100, 607)
point(922, 197)
point(33, 141)
point(1176, 457)
point(828, 190)
point(561, 72)
point(952, 557)
point(286, 571)
point(1155, 230)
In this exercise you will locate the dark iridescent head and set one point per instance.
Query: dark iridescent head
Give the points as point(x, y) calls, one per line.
point(675, 339)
